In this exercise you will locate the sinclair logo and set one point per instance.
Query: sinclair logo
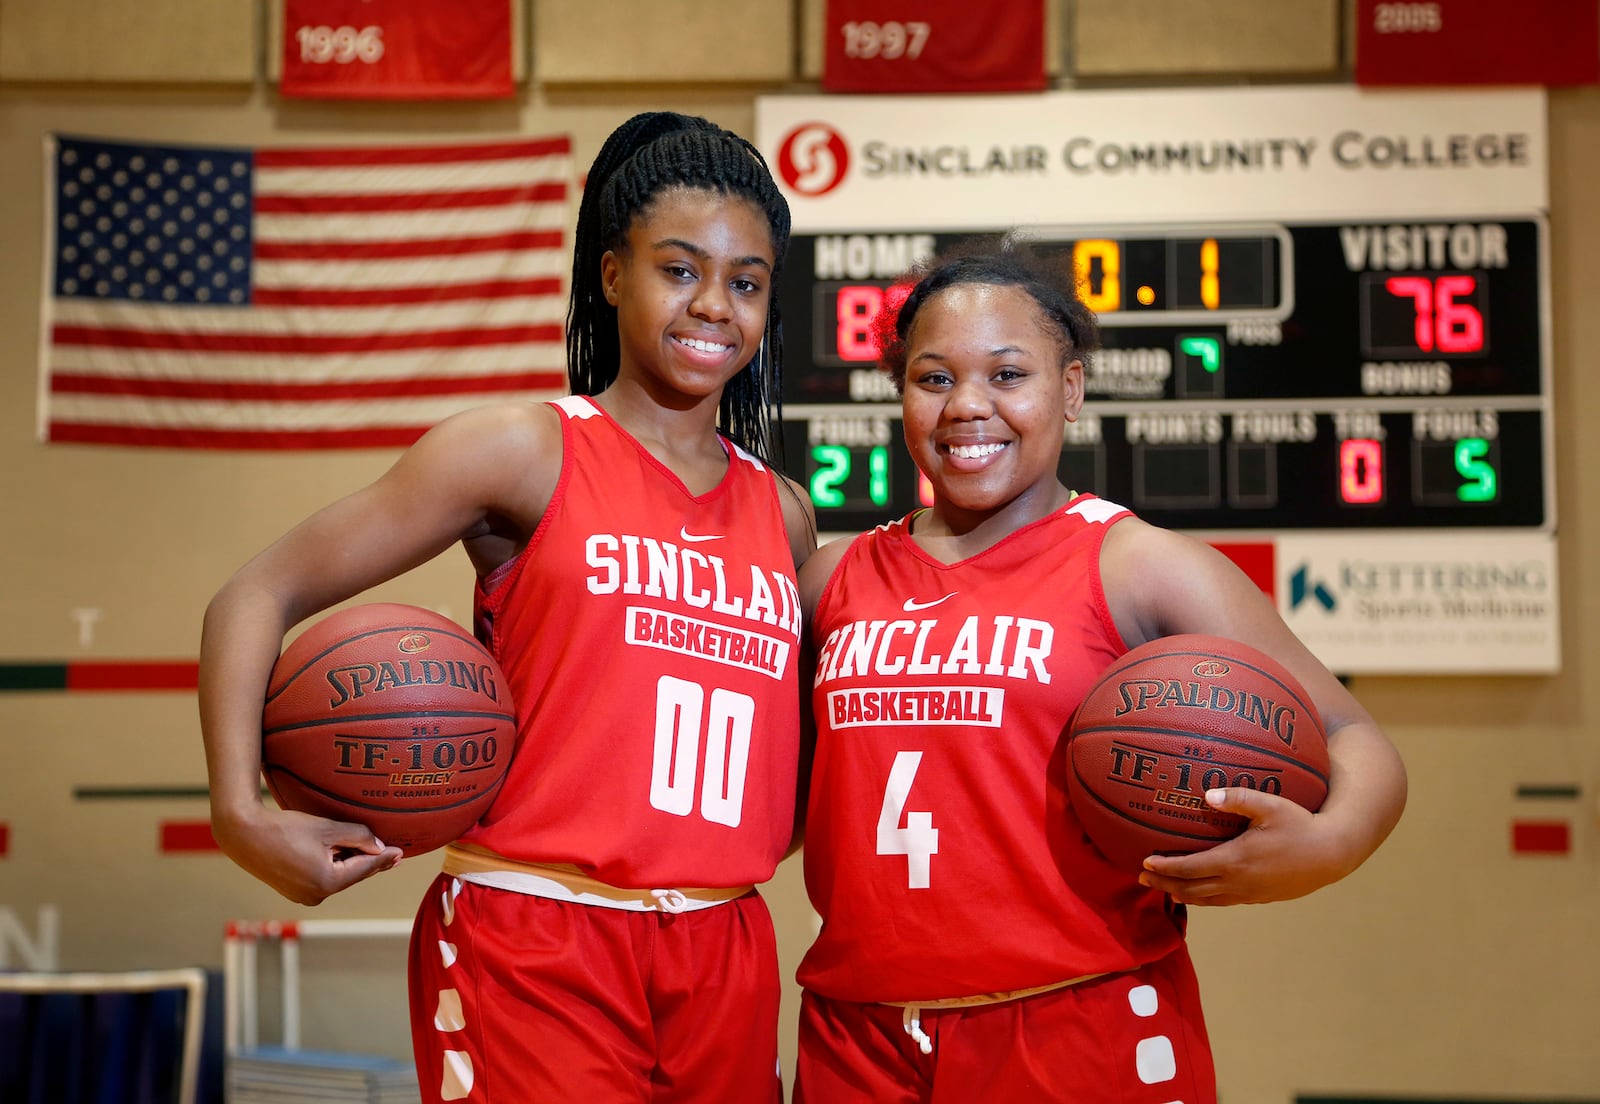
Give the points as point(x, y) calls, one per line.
point(813, 159)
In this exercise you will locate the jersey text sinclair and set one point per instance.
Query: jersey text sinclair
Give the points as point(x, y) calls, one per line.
point(652, 568)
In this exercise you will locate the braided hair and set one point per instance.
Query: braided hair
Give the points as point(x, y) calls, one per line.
point(645, 156)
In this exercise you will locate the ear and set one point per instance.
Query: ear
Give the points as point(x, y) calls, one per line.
point(610, 273)
point(1072, 384)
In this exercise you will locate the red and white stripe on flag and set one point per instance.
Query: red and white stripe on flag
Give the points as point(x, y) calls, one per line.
point(396, 49)
point(323, 297)
point(933, 46)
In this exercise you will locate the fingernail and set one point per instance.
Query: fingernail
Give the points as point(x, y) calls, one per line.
point(379, 842)
point(1215, 797)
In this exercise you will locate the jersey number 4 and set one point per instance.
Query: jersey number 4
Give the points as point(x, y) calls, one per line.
point(918, 841)
point(683, 712)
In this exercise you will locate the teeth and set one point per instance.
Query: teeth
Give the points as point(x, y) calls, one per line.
point(703, 346)
point(973, 452)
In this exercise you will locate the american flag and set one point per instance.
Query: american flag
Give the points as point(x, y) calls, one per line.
point(330, 297)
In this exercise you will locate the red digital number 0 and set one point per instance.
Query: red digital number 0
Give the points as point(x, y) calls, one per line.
point(1361, 471)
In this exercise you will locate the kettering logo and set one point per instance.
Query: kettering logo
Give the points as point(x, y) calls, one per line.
point(1303, 588)
point(813, 159)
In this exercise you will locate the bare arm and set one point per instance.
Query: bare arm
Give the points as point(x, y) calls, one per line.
point(800, 519)
point(493, 463)
point(1161, 583)
point(814, 576)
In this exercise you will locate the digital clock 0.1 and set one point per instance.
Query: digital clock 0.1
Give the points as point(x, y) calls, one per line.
point(1139, 275)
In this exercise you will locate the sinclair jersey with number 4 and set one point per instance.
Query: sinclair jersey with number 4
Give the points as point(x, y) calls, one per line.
point(941, 850)
point(650, 639)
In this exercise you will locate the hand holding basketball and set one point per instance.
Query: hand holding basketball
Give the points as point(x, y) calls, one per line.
point(388, 716)
point(305, 858)
point(1286, 852)
point(1175, 719)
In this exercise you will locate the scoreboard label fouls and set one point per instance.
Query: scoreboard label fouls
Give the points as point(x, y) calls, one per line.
point(1317, 375)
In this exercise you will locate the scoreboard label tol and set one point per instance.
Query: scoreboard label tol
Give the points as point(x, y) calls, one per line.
point(1295, 375)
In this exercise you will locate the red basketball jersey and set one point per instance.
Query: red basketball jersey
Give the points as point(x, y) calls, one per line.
point(941, 851)
point(649, 637)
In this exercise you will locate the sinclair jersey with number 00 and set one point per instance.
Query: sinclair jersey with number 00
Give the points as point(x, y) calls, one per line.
point(650, 640)
point(941, 851)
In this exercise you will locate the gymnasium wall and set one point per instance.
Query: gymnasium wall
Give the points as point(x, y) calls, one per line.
point(1448, 967)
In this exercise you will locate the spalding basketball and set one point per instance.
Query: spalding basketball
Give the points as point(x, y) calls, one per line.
point(390, 716)
point(1176, 717)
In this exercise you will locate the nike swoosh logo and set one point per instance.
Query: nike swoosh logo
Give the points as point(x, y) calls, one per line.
point(695, 538)
point(912, 605)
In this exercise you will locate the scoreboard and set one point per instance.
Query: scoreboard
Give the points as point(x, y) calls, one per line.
point(1325, 333)
point(1283, 375)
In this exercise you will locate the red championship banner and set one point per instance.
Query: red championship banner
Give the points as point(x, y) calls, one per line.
point(933, 46)
point(396, 49)
point(1477, 42)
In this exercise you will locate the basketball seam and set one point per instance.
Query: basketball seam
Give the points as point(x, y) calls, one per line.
point(354, 803)
point(311, 661)
point(359, 718)
point(1163, 829)
point(1188, 733)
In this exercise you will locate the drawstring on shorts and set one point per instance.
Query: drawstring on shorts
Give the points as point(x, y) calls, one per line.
point(912, 1022)
point(670, 900)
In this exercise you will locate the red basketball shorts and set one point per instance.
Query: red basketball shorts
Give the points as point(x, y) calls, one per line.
point(1132, 1038)
point(520, 998)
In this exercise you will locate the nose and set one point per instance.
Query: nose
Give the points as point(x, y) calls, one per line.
point(711, 302)
point(968, 400)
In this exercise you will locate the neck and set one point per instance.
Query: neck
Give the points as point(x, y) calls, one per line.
point(964, 532)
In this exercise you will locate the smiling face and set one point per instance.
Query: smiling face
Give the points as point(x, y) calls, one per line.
point(691, 288)
point(989, 386)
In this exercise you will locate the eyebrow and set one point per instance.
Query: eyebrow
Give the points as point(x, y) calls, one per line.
point(1002, 351)
point(691, 247)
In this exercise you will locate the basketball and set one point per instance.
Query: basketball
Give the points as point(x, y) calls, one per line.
point(1176, 717)
point(390, 716)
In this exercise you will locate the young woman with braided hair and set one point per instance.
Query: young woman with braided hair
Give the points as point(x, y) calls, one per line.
point(596, 936)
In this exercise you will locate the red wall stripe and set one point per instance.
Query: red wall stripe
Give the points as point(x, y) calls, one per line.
point(115, 675)
point(1541, 837)
point(1257, 559)
point(5, 839)
point(187, 835)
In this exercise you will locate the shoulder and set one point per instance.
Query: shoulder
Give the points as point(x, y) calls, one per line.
point(799, 518)
point(514, 425)
point(1134, 544)
point(1158, 582)
point(508, 455)
point(816, 572)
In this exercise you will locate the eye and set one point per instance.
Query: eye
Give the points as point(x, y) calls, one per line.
point(1009, 374)
point(746, 286)
point(933, 379)
point(678, 271)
